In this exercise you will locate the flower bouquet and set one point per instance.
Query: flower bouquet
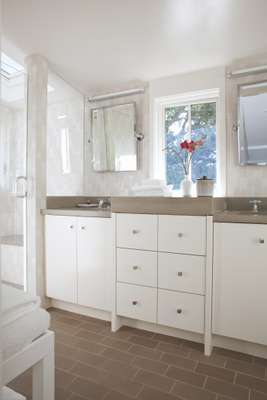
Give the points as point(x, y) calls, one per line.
point(185, 153)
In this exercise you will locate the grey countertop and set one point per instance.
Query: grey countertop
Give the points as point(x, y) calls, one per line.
point(78, 212)
point(167, 205)
point(241, 217)
point(232, 210)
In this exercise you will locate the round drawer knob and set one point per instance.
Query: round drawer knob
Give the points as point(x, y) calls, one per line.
point(180, 235)
point(179, 311)
point(180, 273)
point(135, 231)
point(135, 267)
point(261, 241)
point(71, 226)
point(83, 228)
point(134, 303)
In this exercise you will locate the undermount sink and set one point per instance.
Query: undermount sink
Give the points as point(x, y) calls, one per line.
point(101, 205)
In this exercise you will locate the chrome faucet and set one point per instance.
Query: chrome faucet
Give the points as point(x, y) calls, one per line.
point(103, 203)
point(255, 204)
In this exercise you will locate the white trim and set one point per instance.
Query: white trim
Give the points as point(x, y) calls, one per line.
point(40, 356)
point(158, 139)
point(208, 291)
point(82, 310)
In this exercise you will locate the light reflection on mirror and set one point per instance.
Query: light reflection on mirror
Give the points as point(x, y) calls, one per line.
point(252, 124)
point(113, 138)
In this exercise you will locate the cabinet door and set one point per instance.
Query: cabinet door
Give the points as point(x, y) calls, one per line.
point(95, 262)
point(61, 278)
point(137, 231)
point(181, 310)
point(182, 234)
point(240, 276)
point(137, 267)
point(181, 272)
point(137, 302)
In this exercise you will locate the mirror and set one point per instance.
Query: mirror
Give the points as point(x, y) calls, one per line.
point(114, 138)
point(252, 123)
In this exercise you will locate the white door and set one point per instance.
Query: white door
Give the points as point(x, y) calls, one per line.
point(61, 266)
point(240, 276)
point(95, 262)
point(13, 174)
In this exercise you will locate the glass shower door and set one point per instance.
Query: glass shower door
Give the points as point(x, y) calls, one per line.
point(13, 173)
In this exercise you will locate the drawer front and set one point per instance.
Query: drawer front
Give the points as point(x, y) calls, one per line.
point(137, 231)
point(137, 267)
point(181, 310)
point(138, 302)
point(181, 272)
point(182, 234)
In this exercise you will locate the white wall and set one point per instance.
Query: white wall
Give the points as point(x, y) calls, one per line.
point(65, 121)
point(235, 180)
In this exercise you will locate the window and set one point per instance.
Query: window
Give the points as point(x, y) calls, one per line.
point(192, 116)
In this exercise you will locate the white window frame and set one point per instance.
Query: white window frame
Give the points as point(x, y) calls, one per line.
point(158, 142)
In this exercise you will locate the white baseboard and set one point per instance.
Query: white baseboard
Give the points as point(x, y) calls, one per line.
point(253, 349)
point(87, 311)
point(164, 330)
point(219, 341)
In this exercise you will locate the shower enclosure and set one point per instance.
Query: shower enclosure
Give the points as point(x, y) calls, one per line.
point(13, 173)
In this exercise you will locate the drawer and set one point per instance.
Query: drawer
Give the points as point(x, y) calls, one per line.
point(137, 231)
point(137, 267)
point(182, 234)
point(181, 272)
point(181, 310)
point(138, 302)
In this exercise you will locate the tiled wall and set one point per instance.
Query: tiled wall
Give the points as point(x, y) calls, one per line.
point(65, 144)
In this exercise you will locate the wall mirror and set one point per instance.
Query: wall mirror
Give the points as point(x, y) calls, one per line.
point(252, 123)
point(113, 136)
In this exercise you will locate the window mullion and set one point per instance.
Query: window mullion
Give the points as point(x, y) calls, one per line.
point(190, 135)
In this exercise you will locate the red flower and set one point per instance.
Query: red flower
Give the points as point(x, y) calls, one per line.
point(191, 145)
point(184, 145)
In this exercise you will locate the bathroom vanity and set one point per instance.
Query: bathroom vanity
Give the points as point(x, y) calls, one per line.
point(185, 267)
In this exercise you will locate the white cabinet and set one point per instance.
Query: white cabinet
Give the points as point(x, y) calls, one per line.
point(181, 310)
point(138, 302)
point(240, 276)
point(182, 234)
point(181, 272)
point(61, 268)
point(79, 260)
point(137, 267)
point(94, 262)
point(161, 261)
point(137, 231)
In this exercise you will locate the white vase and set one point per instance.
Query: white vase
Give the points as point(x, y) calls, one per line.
point(187, 186)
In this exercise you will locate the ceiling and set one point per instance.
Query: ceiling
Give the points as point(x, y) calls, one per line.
point(99, 45)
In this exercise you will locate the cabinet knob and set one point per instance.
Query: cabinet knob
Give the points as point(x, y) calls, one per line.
point(135, 267)
point(180, 273)
point(180, 235)
point(71, 226)
point(134, 303)
point(179, 311)
point(261, 241)
point(83, 228)
point(135, 231)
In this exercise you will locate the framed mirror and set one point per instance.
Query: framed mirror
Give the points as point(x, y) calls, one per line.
point(113, 137)
point(252, 123)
